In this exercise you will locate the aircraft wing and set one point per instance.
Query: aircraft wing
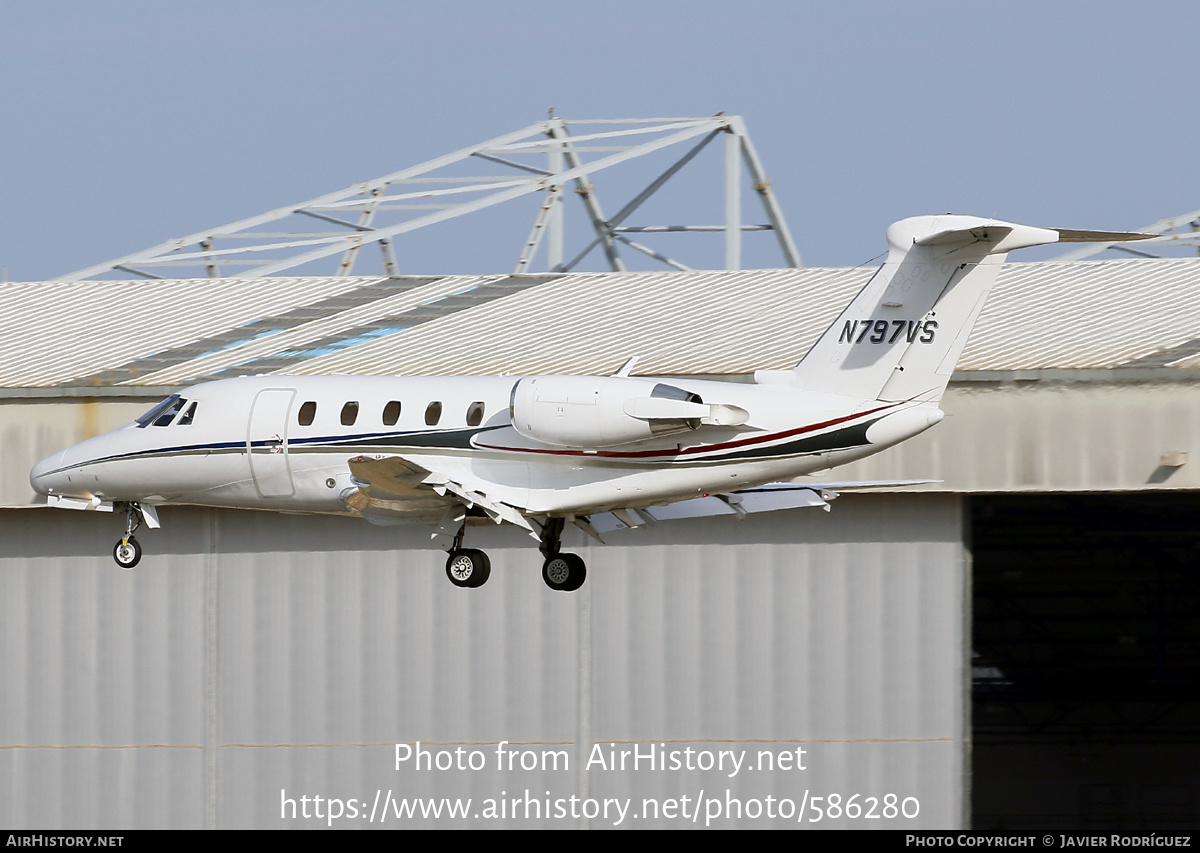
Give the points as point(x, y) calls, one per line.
point(390, 491)
point(397, 487)
point(767, 498)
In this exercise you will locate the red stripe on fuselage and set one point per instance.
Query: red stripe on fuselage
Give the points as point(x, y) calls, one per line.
point(642, 454)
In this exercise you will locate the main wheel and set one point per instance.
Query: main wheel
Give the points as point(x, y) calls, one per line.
point(127, 553)
point(564, 572)
point(468, 568)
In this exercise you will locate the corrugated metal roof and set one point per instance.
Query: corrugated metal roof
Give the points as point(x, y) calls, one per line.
point(396, 305)
point(703, 322)
point(1096, 314)
point(68, 332)
point(1086, 315)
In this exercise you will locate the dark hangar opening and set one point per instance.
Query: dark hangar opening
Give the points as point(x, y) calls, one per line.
point(1086, 662)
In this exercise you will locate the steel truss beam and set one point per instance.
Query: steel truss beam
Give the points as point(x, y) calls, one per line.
point(380, 210)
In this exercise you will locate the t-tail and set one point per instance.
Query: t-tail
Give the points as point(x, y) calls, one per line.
point(903, 334)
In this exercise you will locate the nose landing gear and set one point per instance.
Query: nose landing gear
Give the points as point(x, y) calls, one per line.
point(127, 552)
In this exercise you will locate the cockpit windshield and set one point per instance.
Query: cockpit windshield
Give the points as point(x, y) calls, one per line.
point(163, 413)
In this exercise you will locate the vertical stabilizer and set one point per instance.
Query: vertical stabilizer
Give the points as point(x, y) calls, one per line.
point(902, 335)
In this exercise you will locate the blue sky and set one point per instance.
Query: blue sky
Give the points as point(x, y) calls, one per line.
point(126, 123)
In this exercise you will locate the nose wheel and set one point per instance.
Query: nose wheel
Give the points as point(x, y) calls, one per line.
point(127, 552)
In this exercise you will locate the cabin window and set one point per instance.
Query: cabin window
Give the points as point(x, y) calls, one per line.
point(186, 418)
point(153, 414)
point(475, 414)
point(308, 412)
point(349, 413)
point(433, 413)
point(391, 413)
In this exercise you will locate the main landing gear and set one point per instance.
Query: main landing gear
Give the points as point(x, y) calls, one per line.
point(127, 552)
point(467, 567)
point(470, 567)
point(562, 572)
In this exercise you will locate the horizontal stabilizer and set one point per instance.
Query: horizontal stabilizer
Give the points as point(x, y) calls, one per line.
point(956, 236)
point(1003, 237)
point(1066, 235)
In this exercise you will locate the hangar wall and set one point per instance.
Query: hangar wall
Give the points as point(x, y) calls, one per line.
point(255, 653)
point(1052, 435)
point(32, 428)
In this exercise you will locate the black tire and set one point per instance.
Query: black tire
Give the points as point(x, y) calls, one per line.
point(564, 572)
point(468, 568)
point(127, 553)
point(485, 567)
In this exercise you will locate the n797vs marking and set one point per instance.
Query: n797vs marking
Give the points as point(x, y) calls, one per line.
point(876, 331)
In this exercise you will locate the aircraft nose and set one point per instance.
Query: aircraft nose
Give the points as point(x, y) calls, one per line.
point(42, 476)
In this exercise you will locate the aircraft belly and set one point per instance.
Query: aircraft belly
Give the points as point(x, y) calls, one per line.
point(512, 476)
point(165, 476)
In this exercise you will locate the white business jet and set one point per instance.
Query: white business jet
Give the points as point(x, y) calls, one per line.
point(542, 452)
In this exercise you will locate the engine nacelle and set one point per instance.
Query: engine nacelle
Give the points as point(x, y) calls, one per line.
point(602, 411)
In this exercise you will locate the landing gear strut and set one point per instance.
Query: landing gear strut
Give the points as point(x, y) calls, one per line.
point(470, 567)
point(562, 572)
point(467, 567)
point(127, 552)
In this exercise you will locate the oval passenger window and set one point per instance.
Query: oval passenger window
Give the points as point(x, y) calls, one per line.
point(349, 413)
point(475, 414)
point(391, 413)
point(307, 412)
point(433, 414)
